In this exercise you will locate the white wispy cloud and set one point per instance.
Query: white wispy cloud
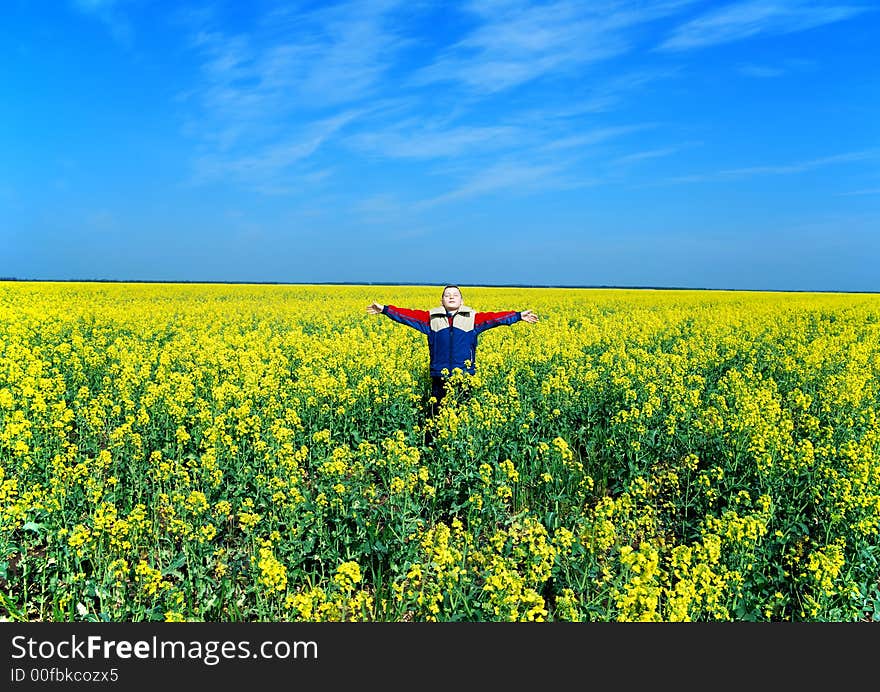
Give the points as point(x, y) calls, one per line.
point(592, 137)
point(644, 155)
point(414, 139)
point(515, 42)
point(300, 82)
point(275, 157)
point(599, 96)
point(337, 53)
point(273, 96)
point(743, 20)
point(111, 13)
point(779, 169)
point(760, 71)
point(505, 175)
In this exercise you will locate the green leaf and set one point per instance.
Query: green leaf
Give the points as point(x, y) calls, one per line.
point(33, 526)
point(179, 562)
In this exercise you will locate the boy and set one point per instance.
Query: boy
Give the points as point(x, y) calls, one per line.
point(452, 332)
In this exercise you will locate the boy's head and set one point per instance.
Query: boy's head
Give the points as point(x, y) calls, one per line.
point(451, 298)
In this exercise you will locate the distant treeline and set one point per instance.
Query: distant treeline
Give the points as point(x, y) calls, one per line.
point(354, 283)
point(430, 283)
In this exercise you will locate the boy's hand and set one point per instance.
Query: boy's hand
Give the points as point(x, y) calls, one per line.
point(375, 308)
point(529, 316)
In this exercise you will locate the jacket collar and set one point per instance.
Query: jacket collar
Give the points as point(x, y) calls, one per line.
point(441, 311)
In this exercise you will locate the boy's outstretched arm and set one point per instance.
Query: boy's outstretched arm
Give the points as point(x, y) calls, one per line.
point(417, 319)
point(490, 320)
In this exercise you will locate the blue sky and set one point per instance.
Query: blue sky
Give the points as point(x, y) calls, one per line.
point(673, 143)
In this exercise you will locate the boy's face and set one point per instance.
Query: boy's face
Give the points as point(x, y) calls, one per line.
point(451, 299)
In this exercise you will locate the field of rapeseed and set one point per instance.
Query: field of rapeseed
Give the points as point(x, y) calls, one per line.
point(256, 452)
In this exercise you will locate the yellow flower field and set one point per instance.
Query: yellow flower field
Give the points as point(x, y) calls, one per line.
point(222, 452)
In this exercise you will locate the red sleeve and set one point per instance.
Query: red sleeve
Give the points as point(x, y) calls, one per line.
point(483, 317)
point(419, 320)
point(490, 320)
point(418, 315)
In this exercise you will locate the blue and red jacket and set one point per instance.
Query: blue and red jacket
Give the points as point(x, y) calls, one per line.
point(452, 339)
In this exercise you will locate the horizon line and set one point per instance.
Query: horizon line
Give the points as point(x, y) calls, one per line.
point(420, 284)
